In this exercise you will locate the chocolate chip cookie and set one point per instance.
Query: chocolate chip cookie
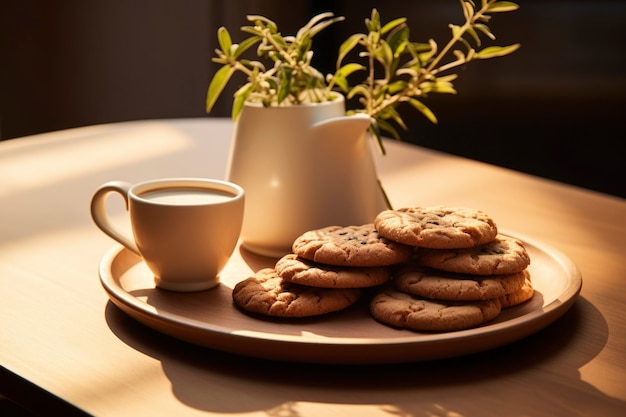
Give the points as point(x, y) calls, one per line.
point(442, 285)
point(398, 309)
point(436, 227)
point(520, 296)
point(350, 246)
point(267, 294)
point(295, 269)
point(502, 255)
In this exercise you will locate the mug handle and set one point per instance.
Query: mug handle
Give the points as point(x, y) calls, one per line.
point(100, 217)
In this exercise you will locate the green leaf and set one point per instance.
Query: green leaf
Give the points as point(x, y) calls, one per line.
point(384, 54)
point(252, 30)
point(420, 47)
point(447, 78)
point(279, 40)
point(285, 86)
point(496, 51)
point(474, 35)
point(241, 96)
point(244, 45)
point(439, 87)
point(485, 29)
point(391, 113)
point(502, 6)
point(317, 24)
point(468, 10)
point(385, 126)
point(375, 131)
point(348, 45)
point(341, 82)
point(398, 40)
point(224, 40)
point(421, 53)
point(219, 81)
point(410, 71)
point(315, 19)
point(348, 69)
point(359, 90)
point(340, 76)
point(264, 22)
point(391, 25)
point(396, 86)
point(254, 65)
point(303, 48)
point(421, 107)
point(323, 25)
point(373, 24)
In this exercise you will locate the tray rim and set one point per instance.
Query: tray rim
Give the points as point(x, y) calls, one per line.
point(342, 350)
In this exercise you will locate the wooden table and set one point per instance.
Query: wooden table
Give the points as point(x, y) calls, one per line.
point(64, 346)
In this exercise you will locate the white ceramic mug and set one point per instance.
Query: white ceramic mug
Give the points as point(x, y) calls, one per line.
point(185, 229)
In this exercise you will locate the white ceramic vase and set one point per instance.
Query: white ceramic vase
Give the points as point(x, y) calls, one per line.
point(302, 167)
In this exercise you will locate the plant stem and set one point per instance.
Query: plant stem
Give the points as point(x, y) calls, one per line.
point(448, 66)
point(456, 37)
point(430, 70)
point(372, 112)
point(280, 50)
point(371, 81)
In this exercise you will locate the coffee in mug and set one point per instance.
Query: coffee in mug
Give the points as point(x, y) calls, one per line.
point(185, 229)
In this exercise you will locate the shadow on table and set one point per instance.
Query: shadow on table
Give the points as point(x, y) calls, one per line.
point(503, 380)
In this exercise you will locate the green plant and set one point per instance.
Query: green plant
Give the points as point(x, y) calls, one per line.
point(397, 69)
point(291, 79)
point(413, 70)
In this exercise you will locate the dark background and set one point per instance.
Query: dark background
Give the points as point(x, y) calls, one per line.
point(555, 108)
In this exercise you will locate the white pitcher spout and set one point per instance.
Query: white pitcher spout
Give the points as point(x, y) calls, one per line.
point(348, 126)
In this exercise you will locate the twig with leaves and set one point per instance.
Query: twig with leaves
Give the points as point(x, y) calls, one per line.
point(398, 70)
point(290, 80)
point(412, 70)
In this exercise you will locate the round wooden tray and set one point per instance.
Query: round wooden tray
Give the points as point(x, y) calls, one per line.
point(210, 318)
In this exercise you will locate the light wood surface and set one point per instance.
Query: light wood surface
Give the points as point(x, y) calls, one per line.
point(64, 346)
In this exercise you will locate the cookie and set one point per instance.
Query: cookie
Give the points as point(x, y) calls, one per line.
point(441, 285)
point(405, 311)
point(520, 296)
point(293, 268)
point(436, 227)
point(267, 294)
point(503, 255)
point(350, 246)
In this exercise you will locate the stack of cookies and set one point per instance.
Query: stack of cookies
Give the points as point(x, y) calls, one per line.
point(326, 272)
point(428, 268)
point(462, 275)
